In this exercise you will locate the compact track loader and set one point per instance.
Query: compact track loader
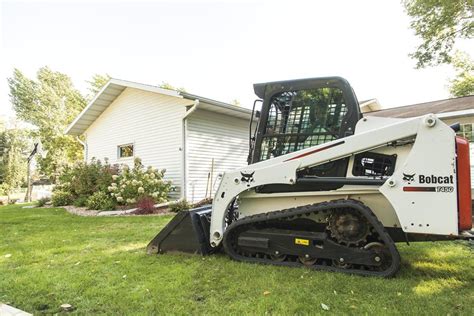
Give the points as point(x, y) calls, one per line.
point(329, 189)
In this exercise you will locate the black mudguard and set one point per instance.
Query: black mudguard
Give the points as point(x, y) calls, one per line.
point(187, 232)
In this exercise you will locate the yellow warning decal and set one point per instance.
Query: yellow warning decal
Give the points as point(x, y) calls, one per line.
point(304, 242)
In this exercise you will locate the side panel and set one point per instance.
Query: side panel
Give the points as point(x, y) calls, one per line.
point(212, 136)
point(423, 191)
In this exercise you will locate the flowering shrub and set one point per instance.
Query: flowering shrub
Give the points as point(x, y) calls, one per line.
point(84, 179)
point(138, 182)
point(80, 201)
point(86, 184)
point(100, 201)
point(61, 198)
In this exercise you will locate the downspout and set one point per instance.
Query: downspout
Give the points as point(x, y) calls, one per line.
point(84, 145)
point(189, 112)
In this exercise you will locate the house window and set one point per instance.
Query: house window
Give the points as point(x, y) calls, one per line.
point(125, 151)
point(466, 131)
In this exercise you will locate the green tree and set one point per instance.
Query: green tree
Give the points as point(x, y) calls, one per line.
point(50, 102)
point(14, 144)
point(439, 23)
point(167, 85)
point(97, 82)
point(235, 102)
point(463, 84)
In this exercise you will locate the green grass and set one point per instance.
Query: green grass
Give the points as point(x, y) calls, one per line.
point(99, 265)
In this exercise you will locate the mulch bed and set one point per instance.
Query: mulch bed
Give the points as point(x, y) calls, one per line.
point(158, 211)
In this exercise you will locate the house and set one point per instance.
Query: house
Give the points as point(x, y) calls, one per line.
point(194, 138)
point(451, 111)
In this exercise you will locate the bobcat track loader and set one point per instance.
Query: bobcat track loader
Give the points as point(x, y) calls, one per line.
point(329, 189)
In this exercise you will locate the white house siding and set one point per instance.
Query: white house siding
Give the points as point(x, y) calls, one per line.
point(150, 121)
point(210, 135)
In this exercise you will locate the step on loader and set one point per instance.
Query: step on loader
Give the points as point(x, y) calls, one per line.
point(329, 189)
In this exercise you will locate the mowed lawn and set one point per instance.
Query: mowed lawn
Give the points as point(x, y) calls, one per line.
point(99, 265)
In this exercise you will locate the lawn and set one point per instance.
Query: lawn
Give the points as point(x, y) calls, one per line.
point(99, 265)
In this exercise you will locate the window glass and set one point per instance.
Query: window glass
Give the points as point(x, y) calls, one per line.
point(466, 131)
point(125, 151)
point(301, 119)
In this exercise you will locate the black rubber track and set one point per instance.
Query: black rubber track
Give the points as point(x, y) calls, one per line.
point(231, 235)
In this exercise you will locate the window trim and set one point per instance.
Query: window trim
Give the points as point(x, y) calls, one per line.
point(124, 145)
point(463, 133)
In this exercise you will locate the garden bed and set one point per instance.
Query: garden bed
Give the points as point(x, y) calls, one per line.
point(101, 186)
point(160, 209)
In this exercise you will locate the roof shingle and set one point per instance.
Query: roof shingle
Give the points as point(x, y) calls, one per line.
point(436, 107)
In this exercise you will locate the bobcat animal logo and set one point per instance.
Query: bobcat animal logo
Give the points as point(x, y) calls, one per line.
point(409, 177)
point(247, 177)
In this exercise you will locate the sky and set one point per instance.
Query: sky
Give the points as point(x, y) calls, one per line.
point(219, 49)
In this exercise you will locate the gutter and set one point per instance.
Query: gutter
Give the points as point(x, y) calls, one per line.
point(183, 141)
point(456, 114)
point(84, 145)
point(193, 108)
point(216, 103)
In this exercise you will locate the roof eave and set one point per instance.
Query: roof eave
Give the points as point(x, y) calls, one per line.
point(227, 106)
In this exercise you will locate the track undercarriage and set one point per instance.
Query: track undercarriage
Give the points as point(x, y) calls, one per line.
point(341, 235)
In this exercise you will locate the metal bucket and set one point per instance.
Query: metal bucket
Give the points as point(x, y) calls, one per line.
point(187, 232)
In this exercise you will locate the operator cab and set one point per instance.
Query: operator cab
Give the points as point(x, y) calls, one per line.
point(298, 114)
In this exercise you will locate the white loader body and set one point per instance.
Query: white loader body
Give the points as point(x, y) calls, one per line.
point(424, 203)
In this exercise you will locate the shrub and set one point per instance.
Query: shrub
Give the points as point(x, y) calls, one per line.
point(145, 205)
point(100, 201)
point(80, 201)
point(124, 187)
point(42, 202)
point(84, 179)
point(133, 184)
point(181, 205)
point(61, 198)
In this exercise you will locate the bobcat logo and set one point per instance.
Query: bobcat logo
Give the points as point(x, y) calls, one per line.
point(247, 177)
point(409, 177)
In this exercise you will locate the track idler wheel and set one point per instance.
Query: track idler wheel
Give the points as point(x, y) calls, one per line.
point(307, 260)
point(278, 257)
point(382, 255)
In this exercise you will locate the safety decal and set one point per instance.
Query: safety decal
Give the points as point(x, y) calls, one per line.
point(303, 242)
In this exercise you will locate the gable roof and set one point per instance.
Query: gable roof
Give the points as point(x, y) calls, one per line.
point(444, 108)
point(115, 87)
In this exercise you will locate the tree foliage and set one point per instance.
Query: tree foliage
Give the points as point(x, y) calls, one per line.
point(167, 85)
point(14, 148)
point(50, 102)
point(236, 102)
point(439, 23)
point(97, 82)
point(463, 84)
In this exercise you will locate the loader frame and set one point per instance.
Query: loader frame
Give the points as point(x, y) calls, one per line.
point(427, 212)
